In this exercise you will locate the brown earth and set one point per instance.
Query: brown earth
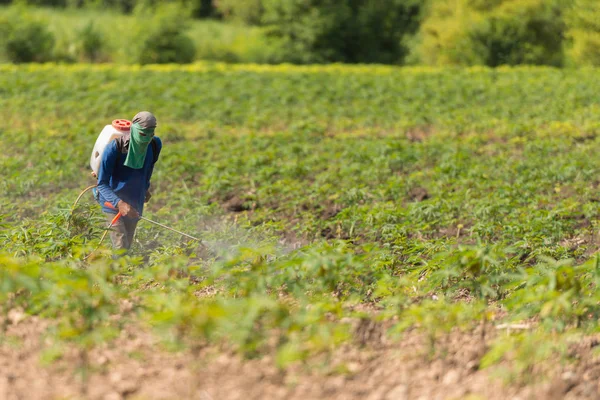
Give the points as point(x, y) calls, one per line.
point(136, 366)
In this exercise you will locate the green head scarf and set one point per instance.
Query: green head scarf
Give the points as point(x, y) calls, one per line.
point(142, 132)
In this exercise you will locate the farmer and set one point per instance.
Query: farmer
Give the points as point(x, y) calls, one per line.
point(124, 177)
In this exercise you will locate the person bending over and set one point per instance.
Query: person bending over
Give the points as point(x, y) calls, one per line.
point(124, 177)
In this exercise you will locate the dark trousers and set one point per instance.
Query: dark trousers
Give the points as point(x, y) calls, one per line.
point(121, 233)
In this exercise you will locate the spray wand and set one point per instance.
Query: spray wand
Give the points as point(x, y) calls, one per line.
point(118, 216)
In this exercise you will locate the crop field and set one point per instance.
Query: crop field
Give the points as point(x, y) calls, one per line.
point(368, 232)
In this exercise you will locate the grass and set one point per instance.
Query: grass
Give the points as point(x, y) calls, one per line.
point(439, 198)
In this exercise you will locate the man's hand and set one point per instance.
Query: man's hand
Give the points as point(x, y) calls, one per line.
point(148, 196)
point(127, 211)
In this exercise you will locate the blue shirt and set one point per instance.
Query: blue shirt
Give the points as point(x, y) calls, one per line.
point(118, 182)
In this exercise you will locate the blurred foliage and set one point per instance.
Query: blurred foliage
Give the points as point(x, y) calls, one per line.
point(198, 8)
point(492, 33)
point(92, 43)
point(247, 11)
point(162, 38)
point(584, 23)
point(25, 38)
point(431, 32)
point(113, 37)
point(340, 31)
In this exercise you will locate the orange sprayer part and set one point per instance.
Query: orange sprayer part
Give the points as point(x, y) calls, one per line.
point(115, 219)
point(123, 125)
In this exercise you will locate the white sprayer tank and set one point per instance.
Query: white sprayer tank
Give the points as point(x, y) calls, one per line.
point(108, 134)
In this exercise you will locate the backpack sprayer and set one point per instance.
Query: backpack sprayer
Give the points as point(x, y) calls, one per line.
point(117, 129)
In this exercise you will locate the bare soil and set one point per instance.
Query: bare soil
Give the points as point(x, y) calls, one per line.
point(136, 366)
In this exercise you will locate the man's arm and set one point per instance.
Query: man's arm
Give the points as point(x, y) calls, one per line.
point(107, 166)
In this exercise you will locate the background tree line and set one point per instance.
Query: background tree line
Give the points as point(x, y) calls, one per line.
point(430, 32)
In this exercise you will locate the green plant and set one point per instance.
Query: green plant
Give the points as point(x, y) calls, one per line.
point(249, 12)
point(584, 32)
point(27, 39)
point(92, 43)
point(348, 31)
point(501, 33)
point(528, 353)
point(163, 39)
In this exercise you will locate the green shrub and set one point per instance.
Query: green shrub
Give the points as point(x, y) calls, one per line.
point(492, 33)
point(91, 43)
point(583, 20)
point(126, 6)
point(318, 31)
point(203, 8)
point(27, 39)
point(378, 30)
point(163, 40)
point(310, 32)
point(5, 27)
point(42, 3)
point(198, 8)
point(586, 48)
point(247, 11)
